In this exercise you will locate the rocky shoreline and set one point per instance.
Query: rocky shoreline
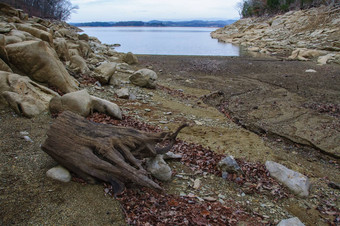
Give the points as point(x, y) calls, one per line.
point(261, 111)
point(311, 34)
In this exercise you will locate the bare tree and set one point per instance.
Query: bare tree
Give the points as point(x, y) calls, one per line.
point(51, 9)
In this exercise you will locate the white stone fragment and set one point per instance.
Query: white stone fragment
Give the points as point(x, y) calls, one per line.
point(291, 222)
point(296, 182)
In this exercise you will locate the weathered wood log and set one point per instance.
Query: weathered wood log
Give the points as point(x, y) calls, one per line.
point(105, 152)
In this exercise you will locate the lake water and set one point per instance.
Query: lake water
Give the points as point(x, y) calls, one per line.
point(163, 40)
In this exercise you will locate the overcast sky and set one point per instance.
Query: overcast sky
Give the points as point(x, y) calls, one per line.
point(145, 10)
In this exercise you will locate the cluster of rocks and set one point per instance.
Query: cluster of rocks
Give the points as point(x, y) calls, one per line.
point(43, 64)
point(304, 35)
point(298, 183)
point(42, 59)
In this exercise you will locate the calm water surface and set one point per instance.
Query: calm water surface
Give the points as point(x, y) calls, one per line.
point(163, 40)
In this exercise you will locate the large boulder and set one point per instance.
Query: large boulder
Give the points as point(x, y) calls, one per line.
point(3, 52)
point(60, 46)
point(37, 60)
point(144, 78)
point(130, 58)
point(105, 71)
point(4, 66)
point(23, 95)
point(84, 48)
point(296, 182)
point(82, 103)
point(304, 54)
point(78, 64)
point(11, 39)
point(8, 10)
point(106, 107)
point(84, 37)
point(5, 28)
point(43, 35)
point(68, 33)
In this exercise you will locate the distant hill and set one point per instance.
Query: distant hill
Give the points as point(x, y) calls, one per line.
point(157, 23)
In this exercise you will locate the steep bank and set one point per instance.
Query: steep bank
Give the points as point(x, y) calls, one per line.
point(315, 29)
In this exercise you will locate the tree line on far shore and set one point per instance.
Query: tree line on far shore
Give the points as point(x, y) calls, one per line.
point(47, 9)
point(250, 8)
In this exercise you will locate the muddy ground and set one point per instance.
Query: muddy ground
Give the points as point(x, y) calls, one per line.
point(268, 109)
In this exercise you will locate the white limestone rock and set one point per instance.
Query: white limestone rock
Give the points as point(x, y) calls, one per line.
point(296, 182)
point(291, 222)
point(59, 173)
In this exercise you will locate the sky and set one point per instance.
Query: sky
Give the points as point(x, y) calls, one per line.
point(146, 10)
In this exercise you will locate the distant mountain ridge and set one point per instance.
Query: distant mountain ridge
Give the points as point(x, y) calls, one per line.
point(157, 23)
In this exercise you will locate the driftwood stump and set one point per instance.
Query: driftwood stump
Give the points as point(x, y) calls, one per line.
point(105, 152)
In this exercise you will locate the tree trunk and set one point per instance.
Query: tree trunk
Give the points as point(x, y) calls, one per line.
point(105, 152)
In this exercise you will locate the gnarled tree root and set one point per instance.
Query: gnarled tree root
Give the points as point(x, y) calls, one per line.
point(104, 152)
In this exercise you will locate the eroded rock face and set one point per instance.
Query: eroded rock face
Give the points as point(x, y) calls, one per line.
point(306, 54)
point(286, 33)
point(26, 97)
point(296, 182)
point(41, 34)
point(82, 103)
point(144, 78)
point(37, 60)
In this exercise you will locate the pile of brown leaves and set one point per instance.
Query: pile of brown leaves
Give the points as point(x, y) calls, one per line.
point(87, 80)
point(144, 206)
point(256, 178)
point(175, 92)
point(197, 157)
point(56, 90)
point(127, 121)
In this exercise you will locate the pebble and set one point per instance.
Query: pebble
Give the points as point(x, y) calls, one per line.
point(163, 122)
point(310, 71)
point(197, 184)
point(198, 123)
point(221, 196)
point(97, 83)
point(27, 138)
point(209, 199)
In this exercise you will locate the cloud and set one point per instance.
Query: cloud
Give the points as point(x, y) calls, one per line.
point(117, 10)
